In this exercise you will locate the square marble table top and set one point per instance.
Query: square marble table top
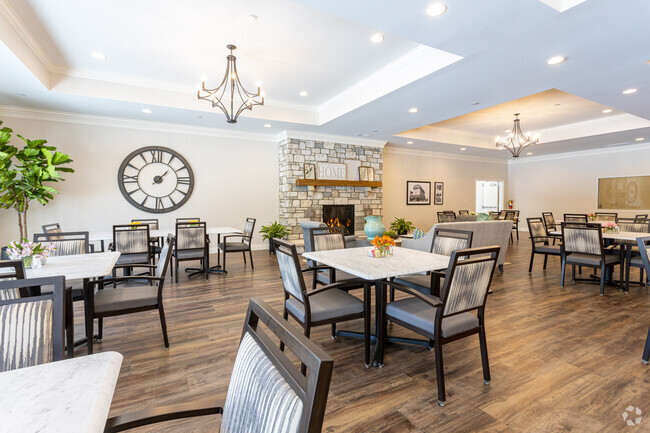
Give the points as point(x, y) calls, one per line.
point(77, 266)
point(620, 236)
point(356, 261)
point(67, 396)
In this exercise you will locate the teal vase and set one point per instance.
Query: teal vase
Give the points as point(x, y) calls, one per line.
point(374, 226)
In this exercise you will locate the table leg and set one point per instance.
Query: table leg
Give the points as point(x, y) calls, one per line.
point(216, 269)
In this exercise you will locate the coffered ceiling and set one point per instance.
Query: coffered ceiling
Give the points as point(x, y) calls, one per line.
point(464, 71)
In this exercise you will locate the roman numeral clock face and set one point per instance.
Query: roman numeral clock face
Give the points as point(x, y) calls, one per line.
point(156, 179)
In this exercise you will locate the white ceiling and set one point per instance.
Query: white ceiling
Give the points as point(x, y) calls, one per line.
point(488, 52)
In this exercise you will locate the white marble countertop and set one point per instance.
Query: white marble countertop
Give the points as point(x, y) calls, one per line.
point(357, 262)
point(67, 396)
point(108, 236)
point(620, 236)
point(77, 266)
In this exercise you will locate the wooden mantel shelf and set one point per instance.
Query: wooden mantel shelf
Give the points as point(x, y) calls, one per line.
point(329, 182)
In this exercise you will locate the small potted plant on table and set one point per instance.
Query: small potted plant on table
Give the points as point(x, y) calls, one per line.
point(401, 226)
point(272, 231)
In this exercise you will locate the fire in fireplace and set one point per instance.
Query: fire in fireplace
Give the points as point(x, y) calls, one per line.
point(339, 215)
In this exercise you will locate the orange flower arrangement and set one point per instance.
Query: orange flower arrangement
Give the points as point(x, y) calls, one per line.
point(383, 242)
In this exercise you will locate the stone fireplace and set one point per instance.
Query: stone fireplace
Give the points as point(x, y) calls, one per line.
point(335, 215)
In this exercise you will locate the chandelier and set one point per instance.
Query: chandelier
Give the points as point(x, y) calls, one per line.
point(237, 99)
point(516, 141)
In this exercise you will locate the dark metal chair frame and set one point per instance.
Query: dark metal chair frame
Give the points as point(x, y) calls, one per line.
point(57, 298)
point(613, 215)
point(550, 227)
point(188, 220)
point(628, 247)
point(575, 218)
point(153, 225)
point(89, 305)
point(644, 243)
point(283, 247)
point(125, 227)
point(312, 390)
point(535, 240)
point(463, 212)
point(205, 260)
point(643, 216)
point(458, 258)
point(313, 233)
point(244, 237)
point(54, 226)
point(446, 216)
point(566, 256)
point(63, 237)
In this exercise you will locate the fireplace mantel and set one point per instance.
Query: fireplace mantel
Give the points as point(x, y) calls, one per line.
point(329, 182)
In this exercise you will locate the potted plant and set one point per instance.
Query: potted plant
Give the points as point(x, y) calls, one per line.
point(25, 173)
point(274, 231)
point(391, 234)
point(401, 226)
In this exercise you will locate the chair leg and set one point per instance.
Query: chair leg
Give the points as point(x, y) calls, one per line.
point(366, 323)
point(602, 279)
point(532, 257)
point(484, 356)
point(250, 253)
point(285, 316)
point(100, 329)
point(646, 350)
point(69, 324)
point(89, 329)
point(392, 294)
point(573, 273)
point(545, 260)
point(303, 367)
point(224, 260)
point(517, 230)
point(333, 331)
point(243, 253)
point(563, 271)
point(163, 325)
point(176, 266)
point(440, 373)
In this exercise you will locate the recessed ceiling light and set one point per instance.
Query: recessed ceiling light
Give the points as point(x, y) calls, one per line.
point(99, 56)
point(147, 110)
point(377, 38)
point(629, 91)
point(555, 60)
point(463, 148)
point(413, 110)
point(529, 153)
point(304, 93)
point(267, 125)
point(253, 17)
point(409, 142)
point(639, 139)
point(607, 110)
point(436, 9)
point(475, 103)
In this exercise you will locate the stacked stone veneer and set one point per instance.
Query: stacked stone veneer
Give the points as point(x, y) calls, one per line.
point(298, 203)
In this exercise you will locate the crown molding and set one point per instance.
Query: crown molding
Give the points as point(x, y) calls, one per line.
point(119, 122)
point(316, 136)
point(581, 153)
point(396, 150)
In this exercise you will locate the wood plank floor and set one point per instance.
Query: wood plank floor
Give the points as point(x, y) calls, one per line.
point(561, 359)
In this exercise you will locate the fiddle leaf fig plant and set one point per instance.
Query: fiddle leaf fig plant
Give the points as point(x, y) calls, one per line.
point(25, 174)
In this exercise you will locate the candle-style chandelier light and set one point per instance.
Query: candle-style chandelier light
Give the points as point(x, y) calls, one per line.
point(516, 141)
point(237, 99)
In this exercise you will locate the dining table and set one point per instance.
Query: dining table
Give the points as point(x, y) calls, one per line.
point(69, 396)
point(375, 271)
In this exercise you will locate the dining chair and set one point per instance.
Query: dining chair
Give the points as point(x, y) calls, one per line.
point(633, 253)
point(511, 215)
point(132, 242)
point(191, 245)
point(328, 304)
point(606, 216)
point(575, 218)
point(267, 392)
point(644, 247)
point(495, 215)
point(326, 239)
point(66, 243)
point(540, 241)
point(132, 296)
point(582, 245)
point(12, 270)
point(52, 229)
point(188, 220)
point(151, 222)
point(515, 224)
point(153, 225)
point(463, 212)
point(551, 226)
point(32, 326)
point(243, 245)
point(445, 242)
point(642, 216)
point(458, 313)
point(444, 217)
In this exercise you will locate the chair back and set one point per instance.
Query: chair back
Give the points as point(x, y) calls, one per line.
point(510, 215)
point(52, 229)
point(495, 215)
point(131, 239)
point(467, 281)
point(32, 327)
point(606, 216)
point(249, 229)
point(190, 236)
point(444, 217)
point(585, 238)
point(165, 257)
point(267, 391)
point(463, 212)
point(537, 230)
point(642, 216)
point(12, 270)
point(635, 225)
point(151, 222)
point(65, 243)
point(327, 238)
point(575, 217)
point(289, 263)
point(549, 221)
point(644, 249)
point(446, 241)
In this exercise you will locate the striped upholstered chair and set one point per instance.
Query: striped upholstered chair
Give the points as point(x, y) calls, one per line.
point(32, 327)
point(267, 393)
point(457, 313)
point(445, 242)
point(242, 245)
point(644, 247)
point(52, 229)
point(12, 270)
point(329, 304)
point(325, 239)
point(582, 245)
point(132, 242)
point(191, 245)
point(66, 243)
point(540, 241)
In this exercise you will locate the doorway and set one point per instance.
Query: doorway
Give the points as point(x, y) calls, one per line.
point(489, 196)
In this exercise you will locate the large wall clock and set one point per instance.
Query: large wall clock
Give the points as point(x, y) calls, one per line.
point(156, 179)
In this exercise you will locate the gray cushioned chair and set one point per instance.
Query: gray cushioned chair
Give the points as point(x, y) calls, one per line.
point(326, 305)
point(582, 245)
point(191, 245)
point(458, 313)
point(633, 258)
point(267, 392)
point(644, 247)
point(242, 245)
point(32, 327)
point(325, 239)
point(551, 226)
point(128, 298)
point(12, 270)
point(540, 241)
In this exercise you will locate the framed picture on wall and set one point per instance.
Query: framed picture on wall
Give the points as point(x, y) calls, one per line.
point(310, 171)
point(418, 192)
point(363, 173)
point(438, 192)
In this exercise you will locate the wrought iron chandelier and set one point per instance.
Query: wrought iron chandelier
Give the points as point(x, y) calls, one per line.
point(516, 141)
point(237, 99)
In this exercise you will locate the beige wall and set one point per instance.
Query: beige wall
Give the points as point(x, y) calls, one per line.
point(459, 176)
point(234, 178)
point(569, 183)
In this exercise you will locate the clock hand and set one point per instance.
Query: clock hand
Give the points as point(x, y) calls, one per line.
point(159, 179)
